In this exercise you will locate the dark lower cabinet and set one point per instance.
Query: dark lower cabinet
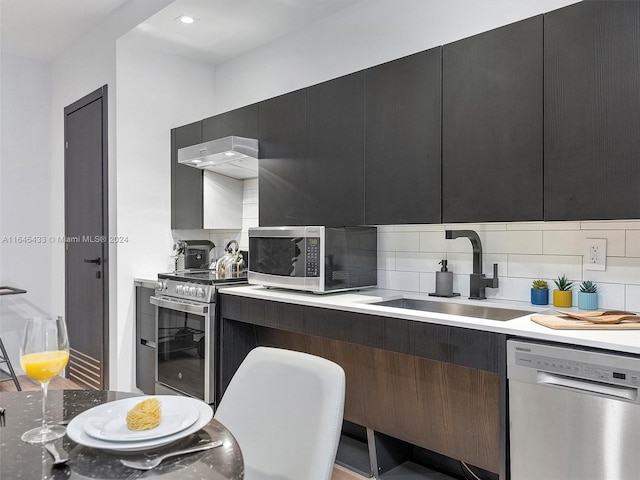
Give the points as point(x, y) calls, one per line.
point(146, 339)
point(335, 152)
point(592, 111)
point(437, 387)
point(403, 140)
point(492, 125)
point(282, 164)
point(186, 182)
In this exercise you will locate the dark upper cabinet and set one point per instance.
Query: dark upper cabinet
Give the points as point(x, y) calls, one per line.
point(403, 140)
point(335, 152)
point(186, 182)
point(492, 125)
point(592, 111)
point(282, 165)
point(241, 122)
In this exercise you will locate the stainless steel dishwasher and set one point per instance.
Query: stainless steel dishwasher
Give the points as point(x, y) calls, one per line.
point(573, 413)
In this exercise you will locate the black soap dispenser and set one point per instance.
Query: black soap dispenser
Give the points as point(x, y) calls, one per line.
point(444, 282)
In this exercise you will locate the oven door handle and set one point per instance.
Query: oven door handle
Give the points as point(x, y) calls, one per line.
point(181, 307)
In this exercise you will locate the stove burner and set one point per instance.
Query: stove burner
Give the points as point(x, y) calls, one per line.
point(204, 276)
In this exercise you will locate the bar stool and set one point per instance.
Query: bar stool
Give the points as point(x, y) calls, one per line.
point(11, 374)
point(4, 358)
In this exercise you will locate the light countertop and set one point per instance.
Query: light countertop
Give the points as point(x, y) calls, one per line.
point(145, 282)
point(361, 302)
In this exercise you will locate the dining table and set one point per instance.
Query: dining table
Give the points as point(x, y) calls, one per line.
point(20, 460)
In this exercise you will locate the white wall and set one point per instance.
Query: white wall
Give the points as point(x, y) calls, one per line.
point(156, 92)
point(25, 173)
point(369, 33)
point(25, 195)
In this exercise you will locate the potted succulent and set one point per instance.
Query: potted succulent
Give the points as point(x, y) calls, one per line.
point(539, 292)
point(588, 296)
point(563, 297)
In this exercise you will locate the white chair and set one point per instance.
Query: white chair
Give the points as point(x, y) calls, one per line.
point(285, 409)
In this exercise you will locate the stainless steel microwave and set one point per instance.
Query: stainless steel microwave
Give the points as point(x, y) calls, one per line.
point(314, 258)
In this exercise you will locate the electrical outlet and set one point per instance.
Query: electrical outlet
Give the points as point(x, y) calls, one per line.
point(595, 257)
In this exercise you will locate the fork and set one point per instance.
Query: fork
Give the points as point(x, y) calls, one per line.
point(149, 463)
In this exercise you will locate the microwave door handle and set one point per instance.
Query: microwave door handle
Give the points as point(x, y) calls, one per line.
point(179, 306)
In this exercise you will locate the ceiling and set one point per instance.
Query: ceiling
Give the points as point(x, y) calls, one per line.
point(223, 28)
point(43, 29)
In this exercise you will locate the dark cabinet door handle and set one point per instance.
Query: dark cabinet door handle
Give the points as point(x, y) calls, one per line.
point(97, 261)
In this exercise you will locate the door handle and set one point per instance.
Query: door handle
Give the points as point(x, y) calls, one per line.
point(97, 261)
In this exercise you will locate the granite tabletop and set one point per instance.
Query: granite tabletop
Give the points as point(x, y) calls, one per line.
point(19, 460)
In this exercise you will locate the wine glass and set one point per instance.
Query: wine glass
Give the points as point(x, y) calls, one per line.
point(43, 354)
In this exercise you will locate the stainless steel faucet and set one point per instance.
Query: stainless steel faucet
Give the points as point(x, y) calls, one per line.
point(478, 281)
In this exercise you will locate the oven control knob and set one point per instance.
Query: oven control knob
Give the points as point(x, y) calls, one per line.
point(160, 285)
point(200, 292)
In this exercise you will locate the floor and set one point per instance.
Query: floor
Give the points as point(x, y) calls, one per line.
point(59, 383)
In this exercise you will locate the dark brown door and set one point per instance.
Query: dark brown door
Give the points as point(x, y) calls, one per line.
point(86, 231)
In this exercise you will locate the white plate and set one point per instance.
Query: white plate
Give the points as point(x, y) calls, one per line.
point(109, 420)
point(75, 429)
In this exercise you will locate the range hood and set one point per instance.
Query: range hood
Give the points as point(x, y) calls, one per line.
point(235, 157)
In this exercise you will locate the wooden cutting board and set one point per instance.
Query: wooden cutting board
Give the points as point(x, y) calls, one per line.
point(559, 323)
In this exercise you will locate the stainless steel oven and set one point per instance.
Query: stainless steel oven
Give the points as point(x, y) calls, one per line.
point(187, 336)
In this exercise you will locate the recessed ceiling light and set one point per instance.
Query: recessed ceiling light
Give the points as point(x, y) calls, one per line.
point(186, 19)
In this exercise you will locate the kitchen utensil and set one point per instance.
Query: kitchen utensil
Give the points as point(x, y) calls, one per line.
point(231, 262)
point(179, 248)
point(607, 317)
point(149, 463)
point(594, 313)
point(565, 323)
point(612, 319)
point(57, 458)
point(197, 253)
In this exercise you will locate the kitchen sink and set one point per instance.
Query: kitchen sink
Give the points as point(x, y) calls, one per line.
point(450, 308)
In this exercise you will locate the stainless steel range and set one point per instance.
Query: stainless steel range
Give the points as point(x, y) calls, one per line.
point(187, 331)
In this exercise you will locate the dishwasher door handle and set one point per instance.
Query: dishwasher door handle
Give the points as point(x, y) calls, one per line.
point(588, 386)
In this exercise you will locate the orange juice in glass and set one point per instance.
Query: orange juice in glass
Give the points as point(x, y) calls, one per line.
point(43, 366)
point(43, 354)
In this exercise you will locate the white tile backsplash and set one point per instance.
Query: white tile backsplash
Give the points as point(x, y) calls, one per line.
point(632, 297)
point(574, 242)
point(543, 226)
point(611, 225)
point(545, 266)
point(398, 241)
point(512, 242)
point(408, 257)
point(397, 280)
point(632, 243)
point(435, 241)
point(220, 238)
point(418, 262)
